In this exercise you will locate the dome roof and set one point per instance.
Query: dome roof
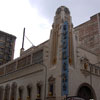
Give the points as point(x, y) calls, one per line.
point(62, 8)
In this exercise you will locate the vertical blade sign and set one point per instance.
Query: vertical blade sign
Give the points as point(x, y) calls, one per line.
point(64, 80)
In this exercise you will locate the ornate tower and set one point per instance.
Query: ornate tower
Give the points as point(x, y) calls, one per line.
point(62, 15)
point(61, 50)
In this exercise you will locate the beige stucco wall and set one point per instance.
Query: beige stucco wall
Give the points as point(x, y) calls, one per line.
point(31, 75)
point(77, 76)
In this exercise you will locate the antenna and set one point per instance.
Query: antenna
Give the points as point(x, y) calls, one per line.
point(22, 49)
point(23, 39)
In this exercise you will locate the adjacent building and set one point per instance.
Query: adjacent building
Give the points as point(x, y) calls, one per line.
point(68, 64)
point(88, 34)
point(7, 44)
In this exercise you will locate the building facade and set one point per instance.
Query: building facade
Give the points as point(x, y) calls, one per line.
point(65, 65)
point(7, 44)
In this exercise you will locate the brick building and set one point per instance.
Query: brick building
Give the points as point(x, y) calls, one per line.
point(89, 34)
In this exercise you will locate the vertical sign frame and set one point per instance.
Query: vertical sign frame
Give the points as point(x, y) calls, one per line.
point(65, 57)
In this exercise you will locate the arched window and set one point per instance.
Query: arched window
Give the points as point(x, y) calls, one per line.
point(13, 91)
point(29, 90)
point(1, 92)
point(51, 86)
point(7, 91)
point(39, 90)
point(20, 90)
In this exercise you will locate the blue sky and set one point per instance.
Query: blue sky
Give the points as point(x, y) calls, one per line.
point(37, 16)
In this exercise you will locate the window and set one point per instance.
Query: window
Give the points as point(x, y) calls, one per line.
point(29, 89)
point(28, 60)
point(13, 91)
point(39, 89)
point(1, 92)
point(2, 38)
point(51, 87)
point(21, 63)
point(66, 11)
point(1, 50)
point(1, 56)
point(85, 66)
point(8, 44)
point(8, 50)
point(58, 11)
point(37, 57)
point(20, 93)
point(86, 63)
point(24, 62)
point(11, 67)
point(1, 62)
point(6, 94)
point(2, 44)
point(9, 39)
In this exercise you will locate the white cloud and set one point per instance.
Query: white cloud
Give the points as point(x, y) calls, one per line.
point(17, 14)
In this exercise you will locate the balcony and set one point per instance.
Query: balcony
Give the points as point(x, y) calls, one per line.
point(25, 61)
point(89, 68)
